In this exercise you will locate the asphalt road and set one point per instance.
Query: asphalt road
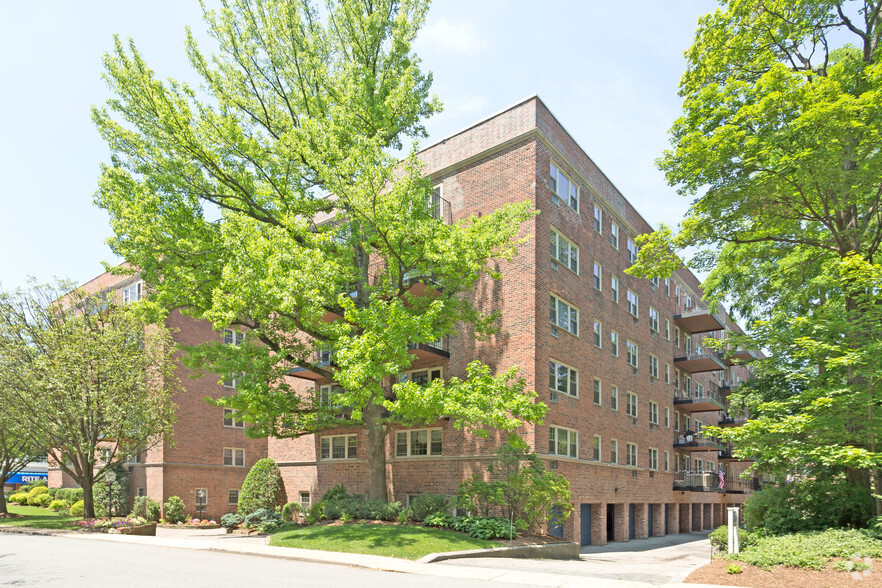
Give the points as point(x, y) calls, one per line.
point(33, 560)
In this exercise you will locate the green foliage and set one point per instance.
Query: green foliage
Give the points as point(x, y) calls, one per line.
point(440, 519)
point(231, 520)
point(154, 510)
point(262, 488)
point(316, 513)
point(119, 496)
point(808, 505)
point(810, 549)
point(19, 498)
point(70, 495)
point(76, 509)
point(146, 508)
point(261, 517)
point(41, 500)
point(733, 569)
point(261, 153)
point(426, 505)
point(175, 511)
point(361, 508)
point(53, 492)
point(485, 527)
point(335, 492)
point(719, 538)
point(58, 505)
point(290, 511)
point(849, 565)
point(34, 493)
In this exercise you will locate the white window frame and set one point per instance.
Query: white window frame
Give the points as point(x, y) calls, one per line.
point(614, 342)
point(230, 420)
point(667, 417)
point(667, 461)
point(633, 303)
point(305, 504)
point(598, 334)
point(555, 369)
point(230, 500)
point(431, 374)
point(431, 435)
point(133, 292)
point(667, 373)
point(233, 337)
point(653, 366)
point(350, 447)
point(614, 289)
point(614, 234)
point(653, 318)
point(653, 412)
point(632, 408)
point(555, 173)
point(327, 392)
point(633, 354)
point(614, 398)
point(556, 238)
point(598, 276)
point(598, 391)
point(571, 441)
point(631, 454)
point(554, 317)
point(598, 219)
point(597, 448)
point(614, 451)
point(236, 455)
point(653, 459)
point(632, 250)
point(667, 329)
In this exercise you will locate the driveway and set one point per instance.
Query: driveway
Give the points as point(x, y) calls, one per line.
point(658, 560)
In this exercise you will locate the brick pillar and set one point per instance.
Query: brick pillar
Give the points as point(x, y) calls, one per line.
point(685, 517)
point(673, 519)
point(707, 519)
point(641, 524)
point(622, 522)
point(598, 524)
point(696, 517)
point(658, 520)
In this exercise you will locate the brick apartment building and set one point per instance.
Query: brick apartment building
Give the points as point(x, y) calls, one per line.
point(618, 360)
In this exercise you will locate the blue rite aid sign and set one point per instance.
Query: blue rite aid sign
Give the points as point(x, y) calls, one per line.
point(27, 477)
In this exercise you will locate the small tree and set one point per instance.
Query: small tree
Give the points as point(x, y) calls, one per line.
point(262, 488)
point(89, 379)
point(17, 447)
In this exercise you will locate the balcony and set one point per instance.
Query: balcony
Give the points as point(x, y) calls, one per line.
point(731, 421)
point(697, 482)
point(695, 443)
point(699, 320)
point(700, 361)
point(320, 360)
point(432, 350)
point(705, 401)
point(741, 485)
point(743, 355)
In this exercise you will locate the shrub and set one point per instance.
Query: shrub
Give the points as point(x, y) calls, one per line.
point(335, 492)
point(733, 569)
point(76, 510)
point(57, 505)
point(291, 510)
point(811, 549)
point(719, 538)
point(153, 510)
point(262, 488)
point(174, 510)
point(438, 520)
point(42, 500)
point(426, 505)
point(35, 492)
point(260, 517)
point(361, 508)
point(231, 520)
point(139, 507)
point(71, 495)
point(485, 527)
point(809, 505)
point(53, 492)
point(19, 498)
point(117, 492)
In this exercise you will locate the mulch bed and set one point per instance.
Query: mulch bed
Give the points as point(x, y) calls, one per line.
point(176, 526)
point(9, 515)
point(753, 577)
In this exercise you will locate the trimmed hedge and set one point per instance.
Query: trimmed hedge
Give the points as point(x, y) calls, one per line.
point(34, 493)
point(262, 488)
point(175, 510)
point(76, 510)
point(58, 505)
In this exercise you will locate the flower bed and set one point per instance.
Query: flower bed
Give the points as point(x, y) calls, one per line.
point(192, 524)
point(128, 526)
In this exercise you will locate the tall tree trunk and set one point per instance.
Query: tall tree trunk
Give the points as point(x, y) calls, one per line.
point(88, 499)
point(376, 432)
point(3, 510)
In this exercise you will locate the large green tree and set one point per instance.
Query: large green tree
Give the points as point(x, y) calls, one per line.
point(271, 200)
point(86, 377)
point(779, 143)
point(17, 446)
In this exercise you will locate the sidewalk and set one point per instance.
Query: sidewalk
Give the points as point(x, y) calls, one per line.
point(514, 571)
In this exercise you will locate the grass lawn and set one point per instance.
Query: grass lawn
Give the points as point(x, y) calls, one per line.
point(404, 541)
point(42, 518)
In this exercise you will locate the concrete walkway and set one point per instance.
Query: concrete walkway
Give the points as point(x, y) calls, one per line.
point(604, 569)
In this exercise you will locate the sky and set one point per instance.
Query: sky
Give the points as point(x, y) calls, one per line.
point(608, 71)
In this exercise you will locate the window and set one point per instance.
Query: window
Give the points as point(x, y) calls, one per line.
point(614, 343)
point(563, 189)
point(562, 378)
point(653, 283)
point(632, 250)
point(631, 450)
point(234, 457)
point(614, 397)
point(677, 337)
point(141, 491)
point(233, 337)
point(667, 461)
point(598, 394)
point(304, 501)
point(633, 303)
point(598, 276)
point(328, 394)
point(667, 373)
point(597, 443)
point(631, 407)
point(667, 330)
point(563, 442)
point(667, 286)
point(598, 219)
point(230, 419)
point(632, 353)
point(422, 377)
point(614, 289)
point(653, 366)
point(340, 447)
point(564, 316)
point(598, 334)
point(653, 458)
point(667, 417)
point(418, 442)
point(436, 203)
point(132, 292)
point(653, 412)
point(564, 251)
point(613, 451)
point(676, 421)
point(676, 379)
point(232, 497)
point(614, 234)
point(653, 319)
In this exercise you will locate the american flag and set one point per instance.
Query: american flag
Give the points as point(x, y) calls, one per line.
point(722, 477)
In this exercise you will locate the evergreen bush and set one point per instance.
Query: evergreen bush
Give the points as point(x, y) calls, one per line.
point(58, 505)
point(426, 505)
point(291, 510)
point(175, 510)
point(76, 510)
point(262, 488)
point(34, 492)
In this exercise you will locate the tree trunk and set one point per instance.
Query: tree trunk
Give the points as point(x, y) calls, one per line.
point(376, 451)
point(88, 499)
point(3, 510)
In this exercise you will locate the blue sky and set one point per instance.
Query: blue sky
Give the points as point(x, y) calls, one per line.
point(608, 71)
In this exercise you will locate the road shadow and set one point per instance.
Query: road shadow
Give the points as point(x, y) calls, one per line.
point(640, 545)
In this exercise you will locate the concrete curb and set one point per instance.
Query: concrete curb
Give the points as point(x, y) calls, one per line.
point(566, 550)
point(31, 531)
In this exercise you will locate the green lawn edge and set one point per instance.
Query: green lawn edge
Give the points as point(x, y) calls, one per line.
point(401, 541)
point(38, 518)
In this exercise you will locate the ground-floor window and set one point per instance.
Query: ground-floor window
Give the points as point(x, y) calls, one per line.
point(304, 501)
point(418, 442)
point(233, 497)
